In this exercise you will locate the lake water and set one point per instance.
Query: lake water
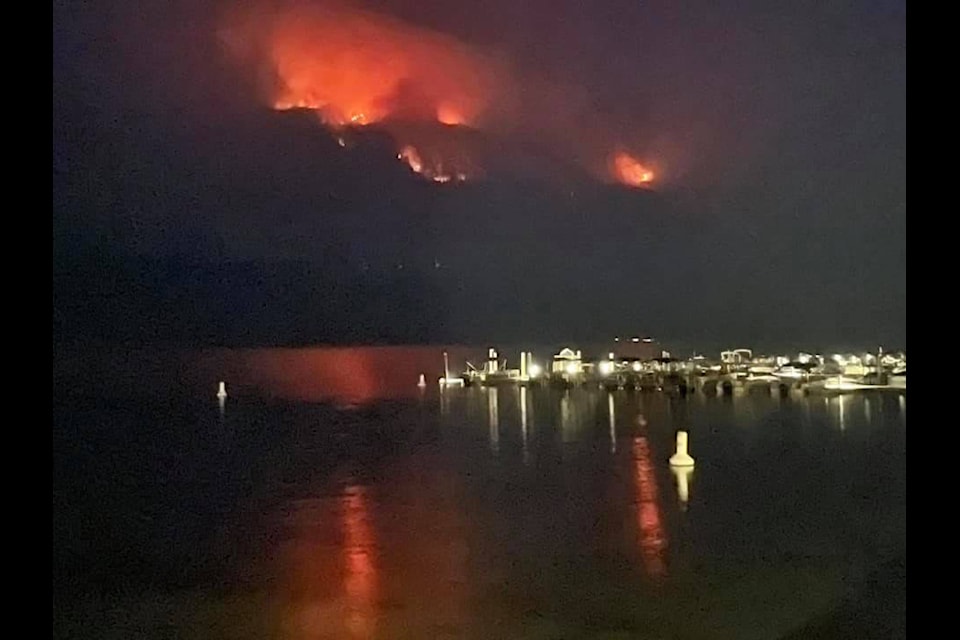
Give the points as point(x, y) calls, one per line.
point(329, 497)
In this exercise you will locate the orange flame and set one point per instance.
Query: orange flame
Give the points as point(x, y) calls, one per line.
point(358, 67)
point(629, 171)
point(355, 67)
point(410, 155)
point(433, 170)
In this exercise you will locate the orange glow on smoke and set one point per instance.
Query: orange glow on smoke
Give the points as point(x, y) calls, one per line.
point(628, 170)
point(358, 67)
point(355, 67)
point(652, 538)
point(448, 114)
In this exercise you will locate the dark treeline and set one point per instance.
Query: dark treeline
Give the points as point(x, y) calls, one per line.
point(185, 302)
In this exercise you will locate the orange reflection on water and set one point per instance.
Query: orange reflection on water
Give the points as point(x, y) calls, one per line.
point(428, 526)
point(349, 375)
point(653, 541)
point(332, 583)
point(360, 577)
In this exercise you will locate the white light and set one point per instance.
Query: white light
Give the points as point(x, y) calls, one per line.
point(610, 355)
point(636, 366)
point(606, 368)
point(535, 370)
point(572, 369)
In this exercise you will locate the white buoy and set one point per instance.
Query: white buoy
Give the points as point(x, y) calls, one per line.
point(681, 458)
point(222, 391)
point(423, 381)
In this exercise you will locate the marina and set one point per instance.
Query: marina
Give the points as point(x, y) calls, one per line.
point(327, 492)
point(734, 371)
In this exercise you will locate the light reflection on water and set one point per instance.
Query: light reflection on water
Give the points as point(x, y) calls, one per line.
point(489, 498)
point(524, 410)
point(568, 424)
point(360, 580)
point(683, 476)
point(613, 423)
point(652, 538)
point(841, 400)
point(493, 417)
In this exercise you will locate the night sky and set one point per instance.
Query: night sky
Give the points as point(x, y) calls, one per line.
point(187, 209)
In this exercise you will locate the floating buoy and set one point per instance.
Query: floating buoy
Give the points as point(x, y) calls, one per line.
point(222, 391)
point(681, 458)
point(423, 381)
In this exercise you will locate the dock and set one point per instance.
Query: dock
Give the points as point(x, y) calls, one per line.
point(735, 371)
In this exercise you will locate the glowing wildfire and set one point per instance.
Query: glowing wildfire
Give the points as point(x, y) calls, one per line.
point(629, 171)
point(433, 170)
point(354, 67)
point(357, 67)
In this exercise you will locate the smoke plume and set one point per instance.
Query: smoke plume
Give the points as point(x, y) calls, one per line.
point(355, 67)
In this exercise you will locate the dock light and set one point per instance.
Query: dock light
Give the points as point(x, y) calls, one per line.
point(534, 370)
point(606, 368)
point(636, 367)
point(572, 369)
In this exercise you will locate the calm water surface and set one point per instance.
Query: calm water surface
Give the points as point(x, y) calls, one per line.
point(329, 497)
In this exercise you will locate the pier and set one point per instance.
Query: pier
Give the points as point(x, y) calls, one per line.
point(735, 371)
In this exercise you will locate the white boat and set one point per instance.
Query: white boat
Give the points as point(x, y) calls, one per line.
point(761, 369)
point(898, 379)
point(760, 378)
point(793, 371)
point(842, 384)
point(446, 380)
